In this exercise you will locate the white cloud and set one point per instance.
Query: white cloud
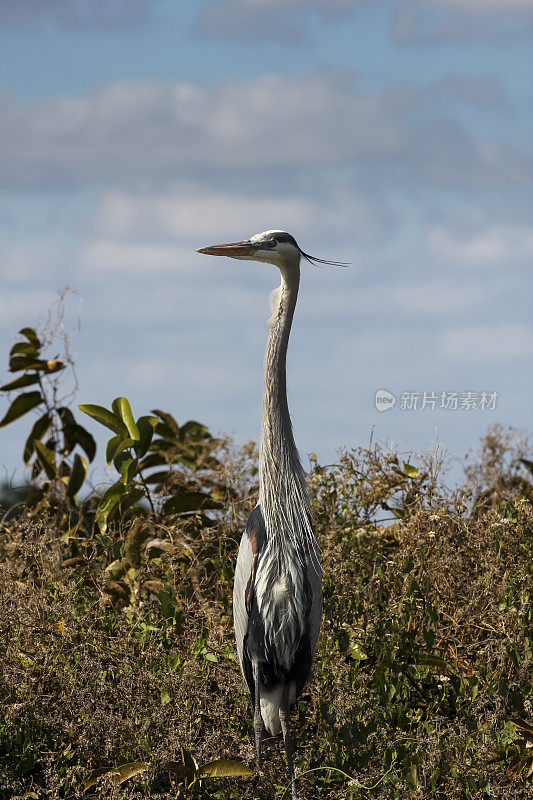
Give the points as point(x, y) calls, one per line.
point(505, 246)
point(488, 343)
point(197, 214)
point(412, 303)
point(160, 131)
point(188, 212)
point(109, 256)
point(156, 234)
point(444, 299)
point(260, 135)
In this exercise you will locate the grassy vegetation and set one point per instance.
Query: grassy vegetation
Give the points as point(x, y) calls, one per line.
point(117, 647)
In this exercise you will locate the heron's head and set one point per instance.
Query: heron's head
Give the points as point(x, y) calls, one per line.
point(275, 247)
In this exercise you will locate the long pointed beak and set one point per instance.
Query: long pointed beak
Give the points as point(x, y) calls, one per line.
point(232, 249)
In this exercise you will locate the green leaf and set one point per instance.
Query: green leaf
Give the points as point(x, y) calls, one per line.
point(194, 431)
point(111, 448)
point(165, 697)
point(132, 496)
point(105, 417)
point(18, 362)
point(409, 470)
point(430, 660)
point(168, 419)
point(37, 432)
point(146, 426)
point(186, 502)
point(93, 777)
point(152, 460)
point(158, 477)
point(19, 383)
point(165, 444)
point(66, 415)
point(127, 466)
point(211, 657)
point(122, 409)
point(410, 773)
point(31, 336)
point(398, 512)
point(118, 774)
point(224, 768)
point(21, 405)
point(24, 348)
point(115, 446)
point(108, 502)
point(77, 434)
point(77, 475)
point(127, 771)
point(46, 459)
point(474, 686)
point(355, 651)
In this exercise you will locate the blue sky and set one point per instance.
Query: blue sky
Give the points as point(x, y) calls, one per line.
point(394, 135)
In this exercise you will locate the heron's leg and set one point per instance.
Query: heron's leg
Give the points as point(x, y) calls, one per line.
point(284, 718)
point(258, 722)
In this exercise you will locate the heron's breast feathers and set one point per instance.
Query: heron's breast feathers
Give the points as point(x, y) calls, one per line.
point(282, 603)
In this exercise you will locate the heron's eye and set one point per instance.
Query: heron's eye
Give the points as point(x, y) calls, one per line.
point(272, 243)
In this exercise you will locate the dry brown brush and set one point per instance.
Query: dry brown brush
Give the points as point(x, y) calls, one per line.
point(118, 647)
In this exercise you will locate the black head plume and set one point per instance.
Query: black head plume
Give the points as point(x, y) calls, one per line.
point(316, 261)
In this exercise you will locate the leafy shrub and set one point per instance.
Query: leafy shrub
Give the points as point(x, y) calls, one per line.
point(133, 450)
point(52, 449)
point(118, 661)
point(423, 674)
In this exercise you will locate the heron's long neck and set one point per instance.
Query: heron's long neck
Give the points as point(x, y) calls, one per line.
point(282, 483)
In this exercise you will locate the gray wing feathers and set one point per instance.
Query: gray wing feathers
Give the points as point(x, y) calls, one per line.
point(243, 571)
point(248, 567)
point(314, 576)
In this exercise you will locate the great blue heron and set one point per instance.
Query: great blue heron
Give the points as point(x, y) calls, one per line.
point(277, 594)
